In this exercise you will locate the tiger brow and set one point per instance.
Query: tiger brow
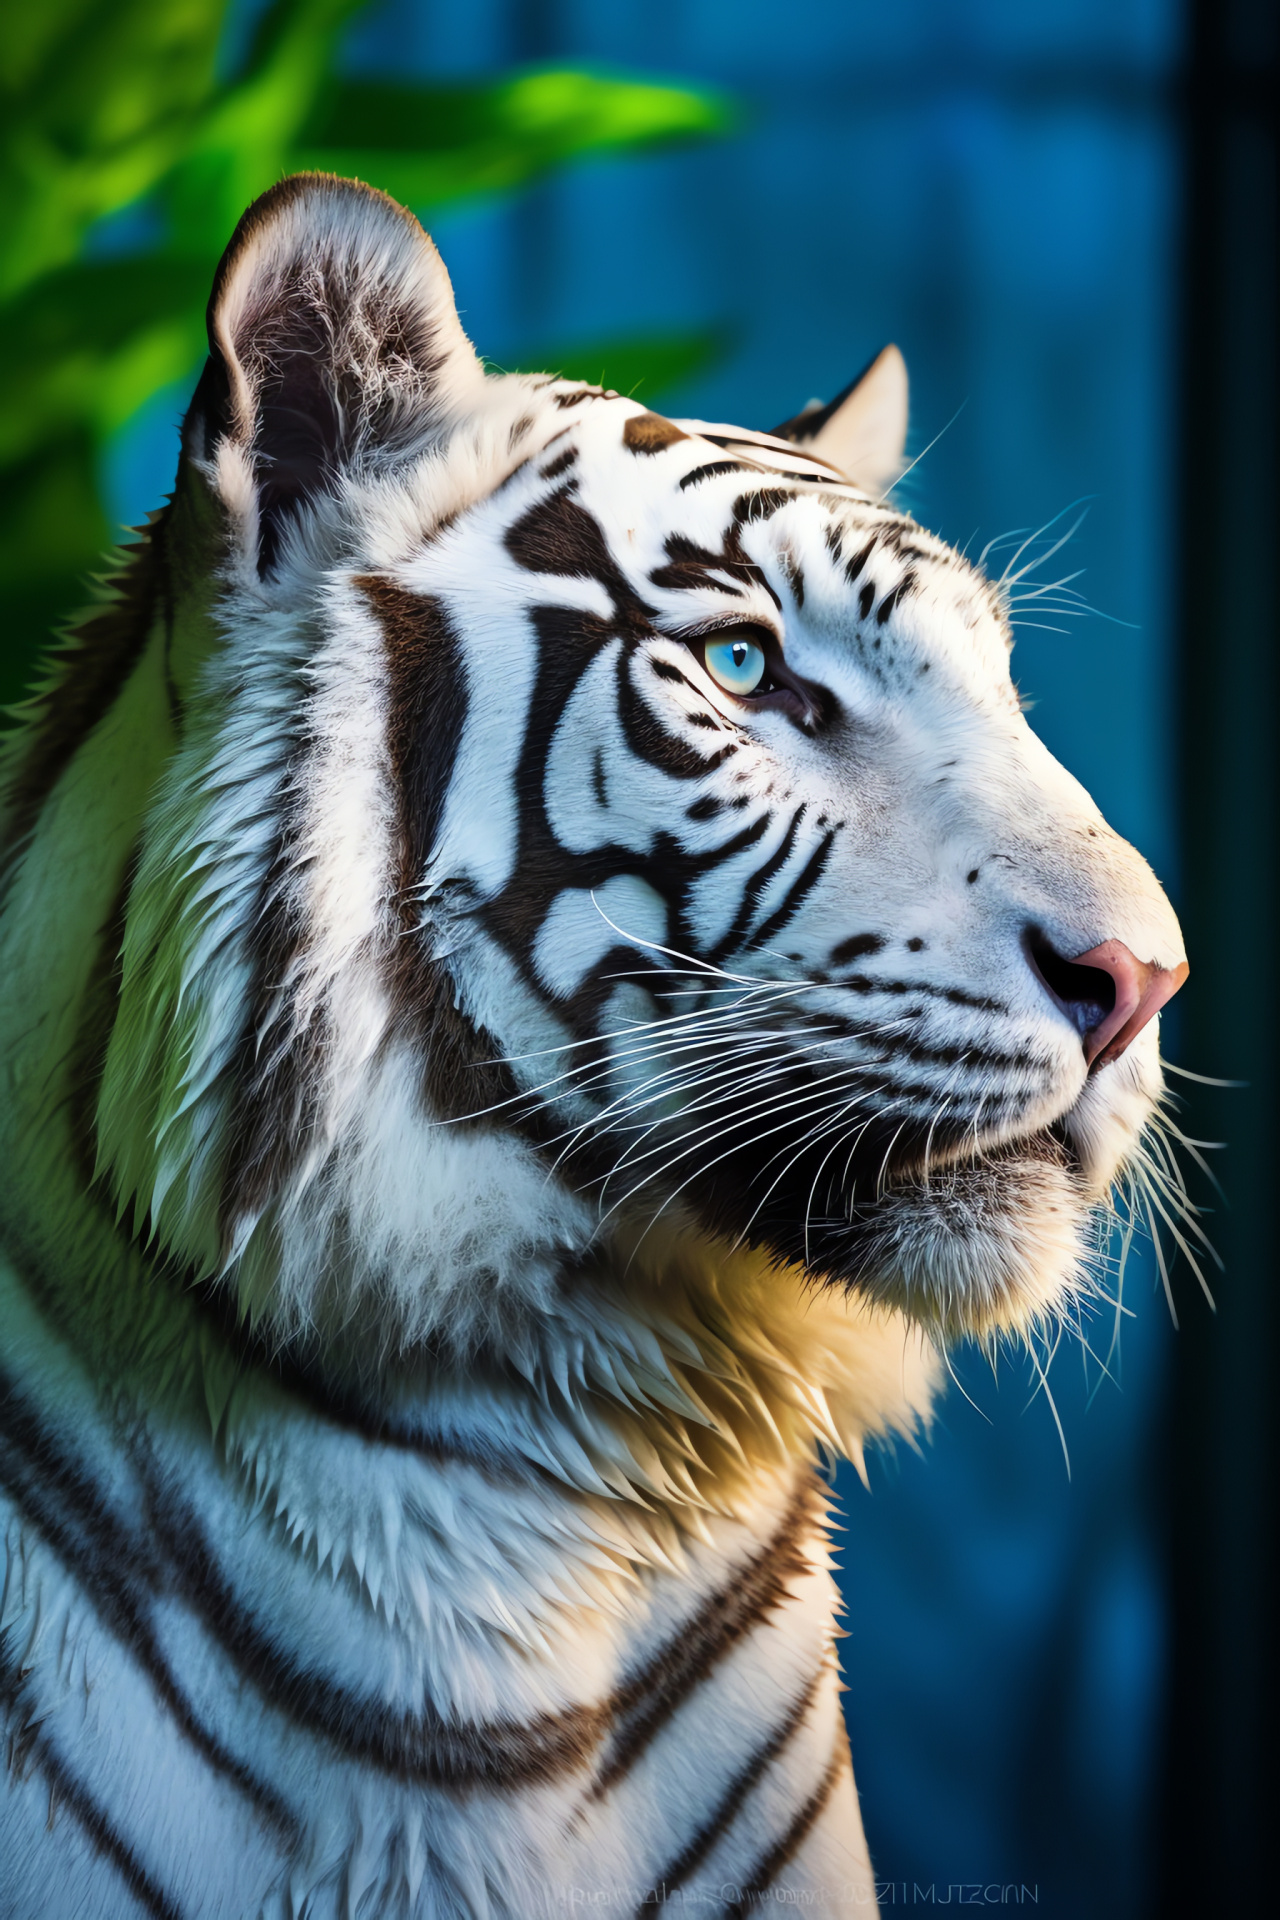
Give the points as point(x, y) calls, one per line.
point(712, 467)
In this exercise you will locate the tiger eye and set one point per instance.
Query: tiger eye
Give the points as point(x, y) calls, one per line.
point(735, 662)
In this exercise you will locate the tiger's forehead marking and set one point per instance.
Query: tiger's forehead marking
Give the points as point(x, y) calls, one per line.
point(847, 563)
point(650, 433)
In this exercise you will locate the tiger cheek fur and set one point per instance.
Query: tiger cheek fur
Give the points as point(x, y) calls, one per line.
point(541, 987)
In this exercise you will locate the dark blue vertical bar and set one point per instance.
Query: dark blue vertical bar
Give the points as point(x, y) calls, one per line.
point(1219, 1801)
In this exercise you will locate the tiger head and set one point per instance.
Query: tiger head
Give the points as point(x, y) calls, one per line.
point(585, 830)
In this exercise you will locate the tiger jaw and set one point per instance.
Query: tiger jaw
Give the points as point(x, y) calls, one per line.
point(1001, 1240)
point(967, 1230)
point(993, 1241)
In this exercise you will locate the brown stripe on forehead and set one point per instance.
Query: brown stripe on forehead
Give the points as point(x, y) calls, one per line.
point(650, 433)
point(102, 652)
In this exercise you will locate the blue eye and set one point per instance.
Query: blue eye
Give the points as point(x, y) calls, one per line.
point(735, 662)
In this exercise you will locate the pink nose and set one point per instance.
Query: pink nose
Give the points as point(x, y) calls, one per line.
point(1107, 993)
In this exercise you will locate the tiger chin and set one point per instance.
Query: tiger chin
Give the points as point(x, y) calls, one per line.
point(547, 978)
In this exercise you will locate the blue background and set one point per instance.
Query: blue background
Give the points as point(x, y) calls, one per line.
point(993, 185)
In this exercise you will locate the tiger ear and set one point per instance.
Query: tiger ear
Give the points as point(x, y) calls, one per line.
point(334, 344)
point(863, 431)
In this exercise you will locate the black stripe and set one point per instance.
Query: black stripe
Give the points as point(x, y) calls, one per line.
point(329, 1388)
point(801, 887)
point(766, 1870)
point(903, 1047)
point(72, 1797)
point(767, 454)
point(646, 735)
point(892, 598)
point(692, 568)
point(855, 947)
point(113, 1572)
point(298, 1370)
point(729, 1806)
point(855, 565)
point(713, 467)
point(794, 572)
point(426, 717)
point(761, 505)
point(424, 1746)
point(645, 1704)
point(864, 983)
point(560, 537)
point(755, 886)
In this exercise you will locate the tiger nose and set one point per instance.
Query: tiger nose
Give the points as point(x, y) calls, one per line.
point(1107, 993)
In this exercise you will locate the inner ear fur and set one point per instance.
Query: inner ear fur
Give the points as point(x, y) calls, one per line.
point(863, 431)
point(334, 343)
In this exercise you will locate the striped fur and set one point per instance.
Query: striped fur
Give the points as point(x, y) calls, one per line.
point(487, 1109)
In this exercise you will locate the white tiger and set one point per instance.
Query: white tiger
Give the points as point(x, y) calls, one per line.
point(545, 975)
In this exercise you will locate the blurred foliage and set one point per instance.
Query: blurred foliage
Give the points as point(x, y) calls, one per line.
point(645, 365)
point(127, 155)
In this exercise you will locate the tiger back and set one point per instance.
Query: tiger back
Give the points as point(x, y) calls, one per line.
point(546, 977)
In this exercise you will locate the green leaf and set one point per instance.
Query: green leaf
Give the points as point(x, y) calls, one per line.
point(431, 145)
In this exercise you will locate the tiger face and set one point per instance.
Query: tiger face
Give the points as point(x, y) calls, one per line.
point(586, 826)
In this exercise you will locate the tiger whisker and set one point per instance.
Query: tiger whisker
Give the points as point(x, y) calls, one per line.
point(670, 1082)
point(702, 1136)
point(697, 1172)
point(1201, 1079)
point(741, 1115)
point(840, 1113)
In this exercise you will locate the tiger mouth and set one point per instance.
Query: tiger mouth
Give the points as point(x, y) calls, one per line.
point(964, 1242)
point(1048, 1147)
